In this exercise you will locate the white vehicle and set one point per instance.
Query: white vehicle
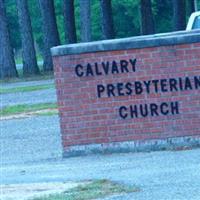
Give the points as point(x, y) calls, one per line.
point(194, 21)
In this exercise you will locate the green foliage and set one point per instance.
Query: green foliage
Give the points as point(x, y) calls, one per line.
point(126, 18)
point(126, 14)
point(60, 19)
point(163, 12)
point(13, 24)
point(77, 19)
point(36, 22)
point(96, 20)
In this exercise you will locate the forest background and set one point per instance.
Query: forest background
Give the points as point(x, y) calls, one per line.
point(128, 20)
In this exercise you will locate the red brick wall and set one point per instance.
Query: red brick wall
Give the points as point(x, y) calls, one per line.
point(87, 119)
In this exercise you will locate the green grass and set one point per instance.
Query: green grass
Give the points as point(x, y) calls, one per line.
point(26, 88)
point(91, 191)
point(24, 108)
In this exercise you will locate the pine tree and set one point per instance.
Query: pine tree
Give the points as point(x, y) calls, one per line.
point(107, 19)
point(7, 62)
point(147, 21)
point(69, 21)
point(30, 66)
point(85, 20)
point(50, 31)
point(179, 17)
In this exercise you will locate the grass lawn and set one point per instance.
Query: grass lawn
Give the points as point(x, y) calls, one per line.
point(91, 191)
point(26, 88)
point(24, 108)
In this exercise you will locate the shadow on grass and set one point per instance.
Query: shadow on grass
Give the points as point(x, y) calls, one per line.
point(42, 76)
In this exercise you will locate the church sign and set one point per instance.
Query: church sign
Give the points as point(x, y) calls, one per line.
point(129, 94)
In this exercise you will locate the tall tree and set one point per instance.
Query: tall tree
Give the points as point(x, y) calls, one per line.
point(107, 19)
point(85, 20)
point(7, 62)
point(50, 31)
point(30, 66)
point(179, 16)
point(69, 21)
point(147, 21)
point(196, 5)
point(190, 6)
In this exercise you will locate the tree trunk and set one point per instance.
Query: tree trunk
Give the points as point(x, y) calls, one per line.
point(50, 31)
point(69, 21)
point(30, 66)
point(107, 19)
point(7, 62)
point(195, 5)
point(190, 6)
point(147, 21)
point(85, 17)
point(179, 17)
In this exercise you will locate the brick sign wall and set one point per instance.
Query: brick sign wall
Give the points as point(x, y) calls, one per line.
point(143, 90)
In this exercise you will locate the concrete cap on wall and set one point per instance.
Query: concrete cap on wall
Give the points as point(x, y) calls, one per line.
point(162, 39)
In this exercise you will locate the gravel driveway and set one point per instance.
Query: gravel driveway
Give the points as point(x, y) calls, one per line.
point(39, 96)
point(30, 139)
point(164, 175)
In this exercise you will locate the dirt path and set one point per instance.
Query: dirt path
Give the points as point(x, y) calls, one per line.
point(28, 191)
